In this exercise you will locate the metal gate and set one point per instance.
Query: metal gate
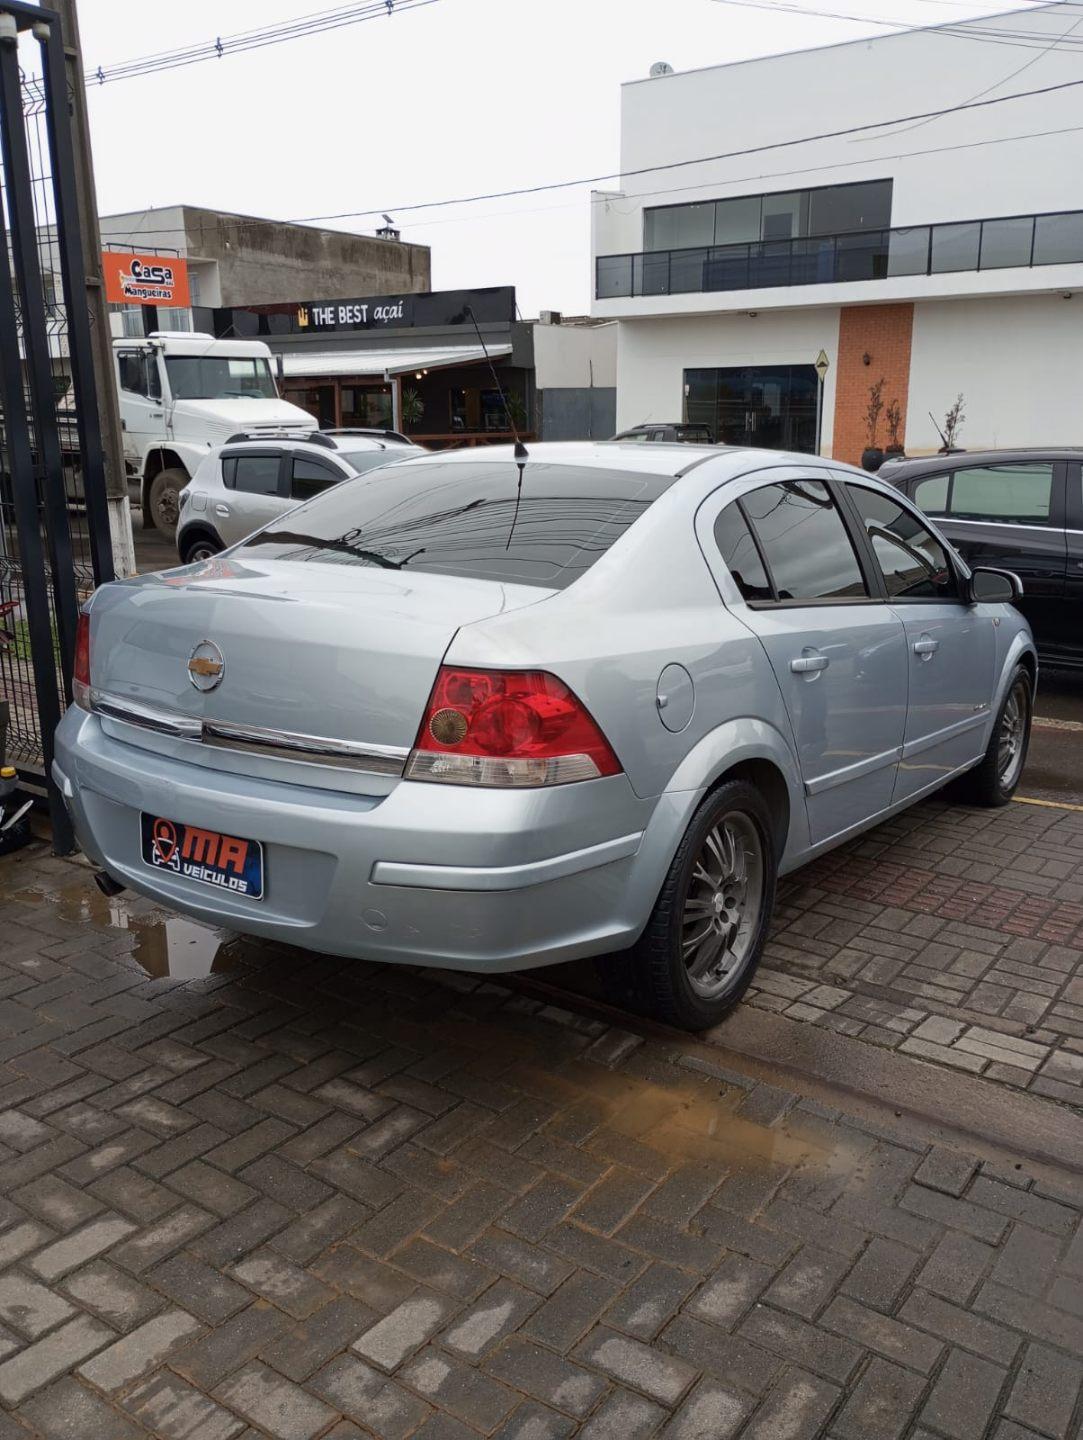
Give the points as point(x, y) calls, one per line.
point(54, 523)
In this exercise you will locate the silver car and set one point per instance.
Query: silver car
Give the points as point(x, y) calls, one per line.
point(238, 487)
point(492, 713)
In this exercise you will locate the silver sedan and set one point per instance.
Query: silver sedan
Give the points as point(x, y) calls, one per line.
point(492, 712)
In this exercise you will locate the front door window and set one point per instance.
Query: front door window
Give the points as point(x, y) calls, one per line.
point(770, 407)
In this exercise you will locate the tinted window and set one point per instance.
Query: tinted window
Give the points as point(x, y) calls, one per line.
point(545, 526)
point(1022, 493)
point(931, 495)
point(804, 541)
point(308, 477)
point(738, 549)
point(914, 563)
point(252, 474)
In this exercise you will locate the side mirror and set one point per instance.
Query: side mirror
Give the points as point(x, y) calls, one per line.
point(994, 587)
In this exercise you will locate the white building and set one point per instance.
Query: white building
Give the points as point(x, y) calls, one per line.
point(940, 252)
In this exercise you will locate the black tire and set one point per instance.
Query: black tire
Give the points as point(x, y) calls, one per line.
point(662, 979)
point(163, 500)
point(199, 547)
point(993, 783)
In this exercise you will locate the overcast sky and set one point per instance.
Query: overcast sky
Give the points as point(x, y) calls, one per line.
point(458, 97)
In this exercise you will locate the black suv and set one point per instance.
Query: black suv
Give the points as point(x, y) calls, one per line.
point(666, 431)
point(1019, 510)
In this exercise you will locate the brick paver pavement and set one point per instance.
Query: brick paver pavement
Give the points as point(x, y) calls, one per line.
point(302, 1198)
point(952, 934)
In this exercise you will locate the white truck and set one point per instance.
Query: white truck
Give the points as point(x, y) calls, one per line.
point(183, 393)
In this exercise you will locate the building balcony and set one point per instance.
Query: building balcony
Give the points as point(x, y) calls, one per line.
point(1011, 242)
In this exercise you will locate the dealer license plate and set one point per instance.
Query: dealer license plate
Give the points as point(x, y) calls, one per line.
point(206, 856)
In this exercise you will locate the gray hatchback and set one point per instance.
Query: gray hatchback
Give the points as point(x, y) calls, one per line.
point(490, 713)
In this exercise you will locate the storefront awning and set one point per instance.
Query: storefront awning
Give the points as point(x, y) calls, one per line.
point(385, 362)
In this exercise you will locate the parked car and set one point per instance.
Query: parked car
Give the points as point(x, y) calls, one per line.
point(477, 713)
point(665, 433)
point(252, 479)
point(1017, 509)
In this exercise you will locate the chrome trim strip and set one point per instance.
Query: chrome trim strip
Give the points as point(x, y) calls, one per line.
point(254, 739)
point(314, 749)
point(504, 877)
point(147, 717)
point(853, 772)
point(997, 524)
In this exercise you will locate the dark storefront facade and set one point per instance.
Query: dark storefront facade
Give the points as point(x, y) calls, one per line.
point(415, 363)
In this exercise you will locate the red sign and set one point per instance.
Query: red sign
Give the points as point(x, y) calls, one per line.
point(145, 279)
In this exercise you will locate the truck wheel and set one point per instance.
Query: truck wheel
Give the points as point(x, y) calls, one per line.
point(705, 936)
point(164, 499)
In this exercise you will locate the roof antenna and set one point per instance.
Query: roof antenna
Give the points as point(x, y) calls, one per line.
point(520, 449)
point(943, 438)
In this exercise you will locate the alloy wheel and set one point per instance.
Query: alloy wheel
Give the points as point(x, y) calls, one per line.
point(1011, 742)
point(721, 913)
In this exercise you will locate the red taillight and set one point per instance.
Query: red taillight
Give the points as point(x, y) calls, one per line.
point(507, 728)
point(80, 680)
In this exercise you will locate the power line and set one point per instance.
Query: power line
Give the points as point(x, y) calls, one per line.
point(1014, 39)
point(218, 48)
point(552, 185)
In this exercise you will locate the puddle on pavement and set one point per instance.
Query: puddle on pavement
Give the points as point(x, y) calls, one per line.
point(164, 945)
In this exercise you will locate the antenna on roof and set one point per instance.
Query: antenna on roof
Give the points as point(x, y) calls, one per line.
point(943, 438)
point(520, 449)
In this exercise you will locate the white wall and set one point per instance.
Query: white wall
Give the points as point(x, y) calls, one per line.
point(565, 354)
point(153, 229)
point(652, 356)
point(727, 108)
point(1017, 361)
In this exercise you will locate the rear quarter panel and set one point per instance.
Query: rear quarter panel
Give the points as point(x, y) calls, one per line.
point(648, 603)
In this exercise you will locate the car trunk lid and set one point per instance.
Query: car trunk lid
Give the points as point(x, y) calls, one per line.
point(344, 653)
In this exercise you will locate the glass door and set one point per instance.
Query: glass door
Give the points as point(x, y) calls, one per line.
point(769, 407)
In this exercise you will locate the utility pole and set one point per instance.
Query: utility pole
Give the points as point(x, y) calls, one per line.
point(116, 480)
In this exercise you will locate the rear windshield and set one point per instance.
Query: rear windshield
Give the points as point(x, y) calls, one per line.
point(544, 526)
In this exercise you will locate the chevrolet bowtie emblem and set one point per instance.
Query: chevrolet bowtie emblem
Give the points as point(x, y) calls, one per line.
point(206, 665)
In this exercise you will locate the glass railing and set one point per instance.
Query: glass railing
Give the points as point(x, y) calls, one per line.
point(1016, 240)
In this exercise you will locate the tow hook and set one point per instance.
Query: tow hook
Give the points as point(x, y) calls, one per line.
point(106, 884)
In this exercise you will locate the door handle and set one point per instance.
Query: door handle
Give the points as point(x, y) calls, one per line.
point(926, 647)
point(803, 664)
point(222, 510)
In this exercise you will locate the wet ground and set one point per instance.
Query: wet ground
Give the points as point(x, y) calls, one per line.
point(301, 1198)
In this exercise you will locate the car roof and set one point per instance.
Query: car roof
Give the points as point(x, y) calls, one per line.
point(933, 464)
point(342, 443)
point(668, 457)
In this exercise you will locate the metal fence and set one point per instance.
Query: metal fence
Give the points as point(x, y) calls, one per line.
point(54, 530)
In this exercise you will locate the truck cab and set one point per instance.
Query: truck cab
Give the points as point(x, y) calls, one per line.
point(181, 395)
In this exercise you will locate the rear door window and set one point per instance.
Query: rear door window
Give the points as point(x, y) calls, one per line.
point(931, 494)
point(804, 542)
point(1003, 494)
point(538, 524)
point(310, 477)
point(253, 473)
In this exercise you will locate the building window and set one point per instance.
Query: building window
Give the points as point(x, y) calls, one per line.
point(788, 215)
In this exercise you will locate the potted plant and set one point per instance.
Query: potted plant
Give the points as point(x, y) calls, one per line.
point(893, 419)
point(413, 407)
point(952, 422)
point(872, 457)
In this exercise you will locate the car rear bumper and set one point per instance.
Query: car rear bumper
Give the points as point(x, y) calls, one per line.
point(485, 880)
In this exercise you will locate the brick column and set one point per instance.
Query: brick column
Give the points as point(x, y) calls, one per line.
point(884, 333)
